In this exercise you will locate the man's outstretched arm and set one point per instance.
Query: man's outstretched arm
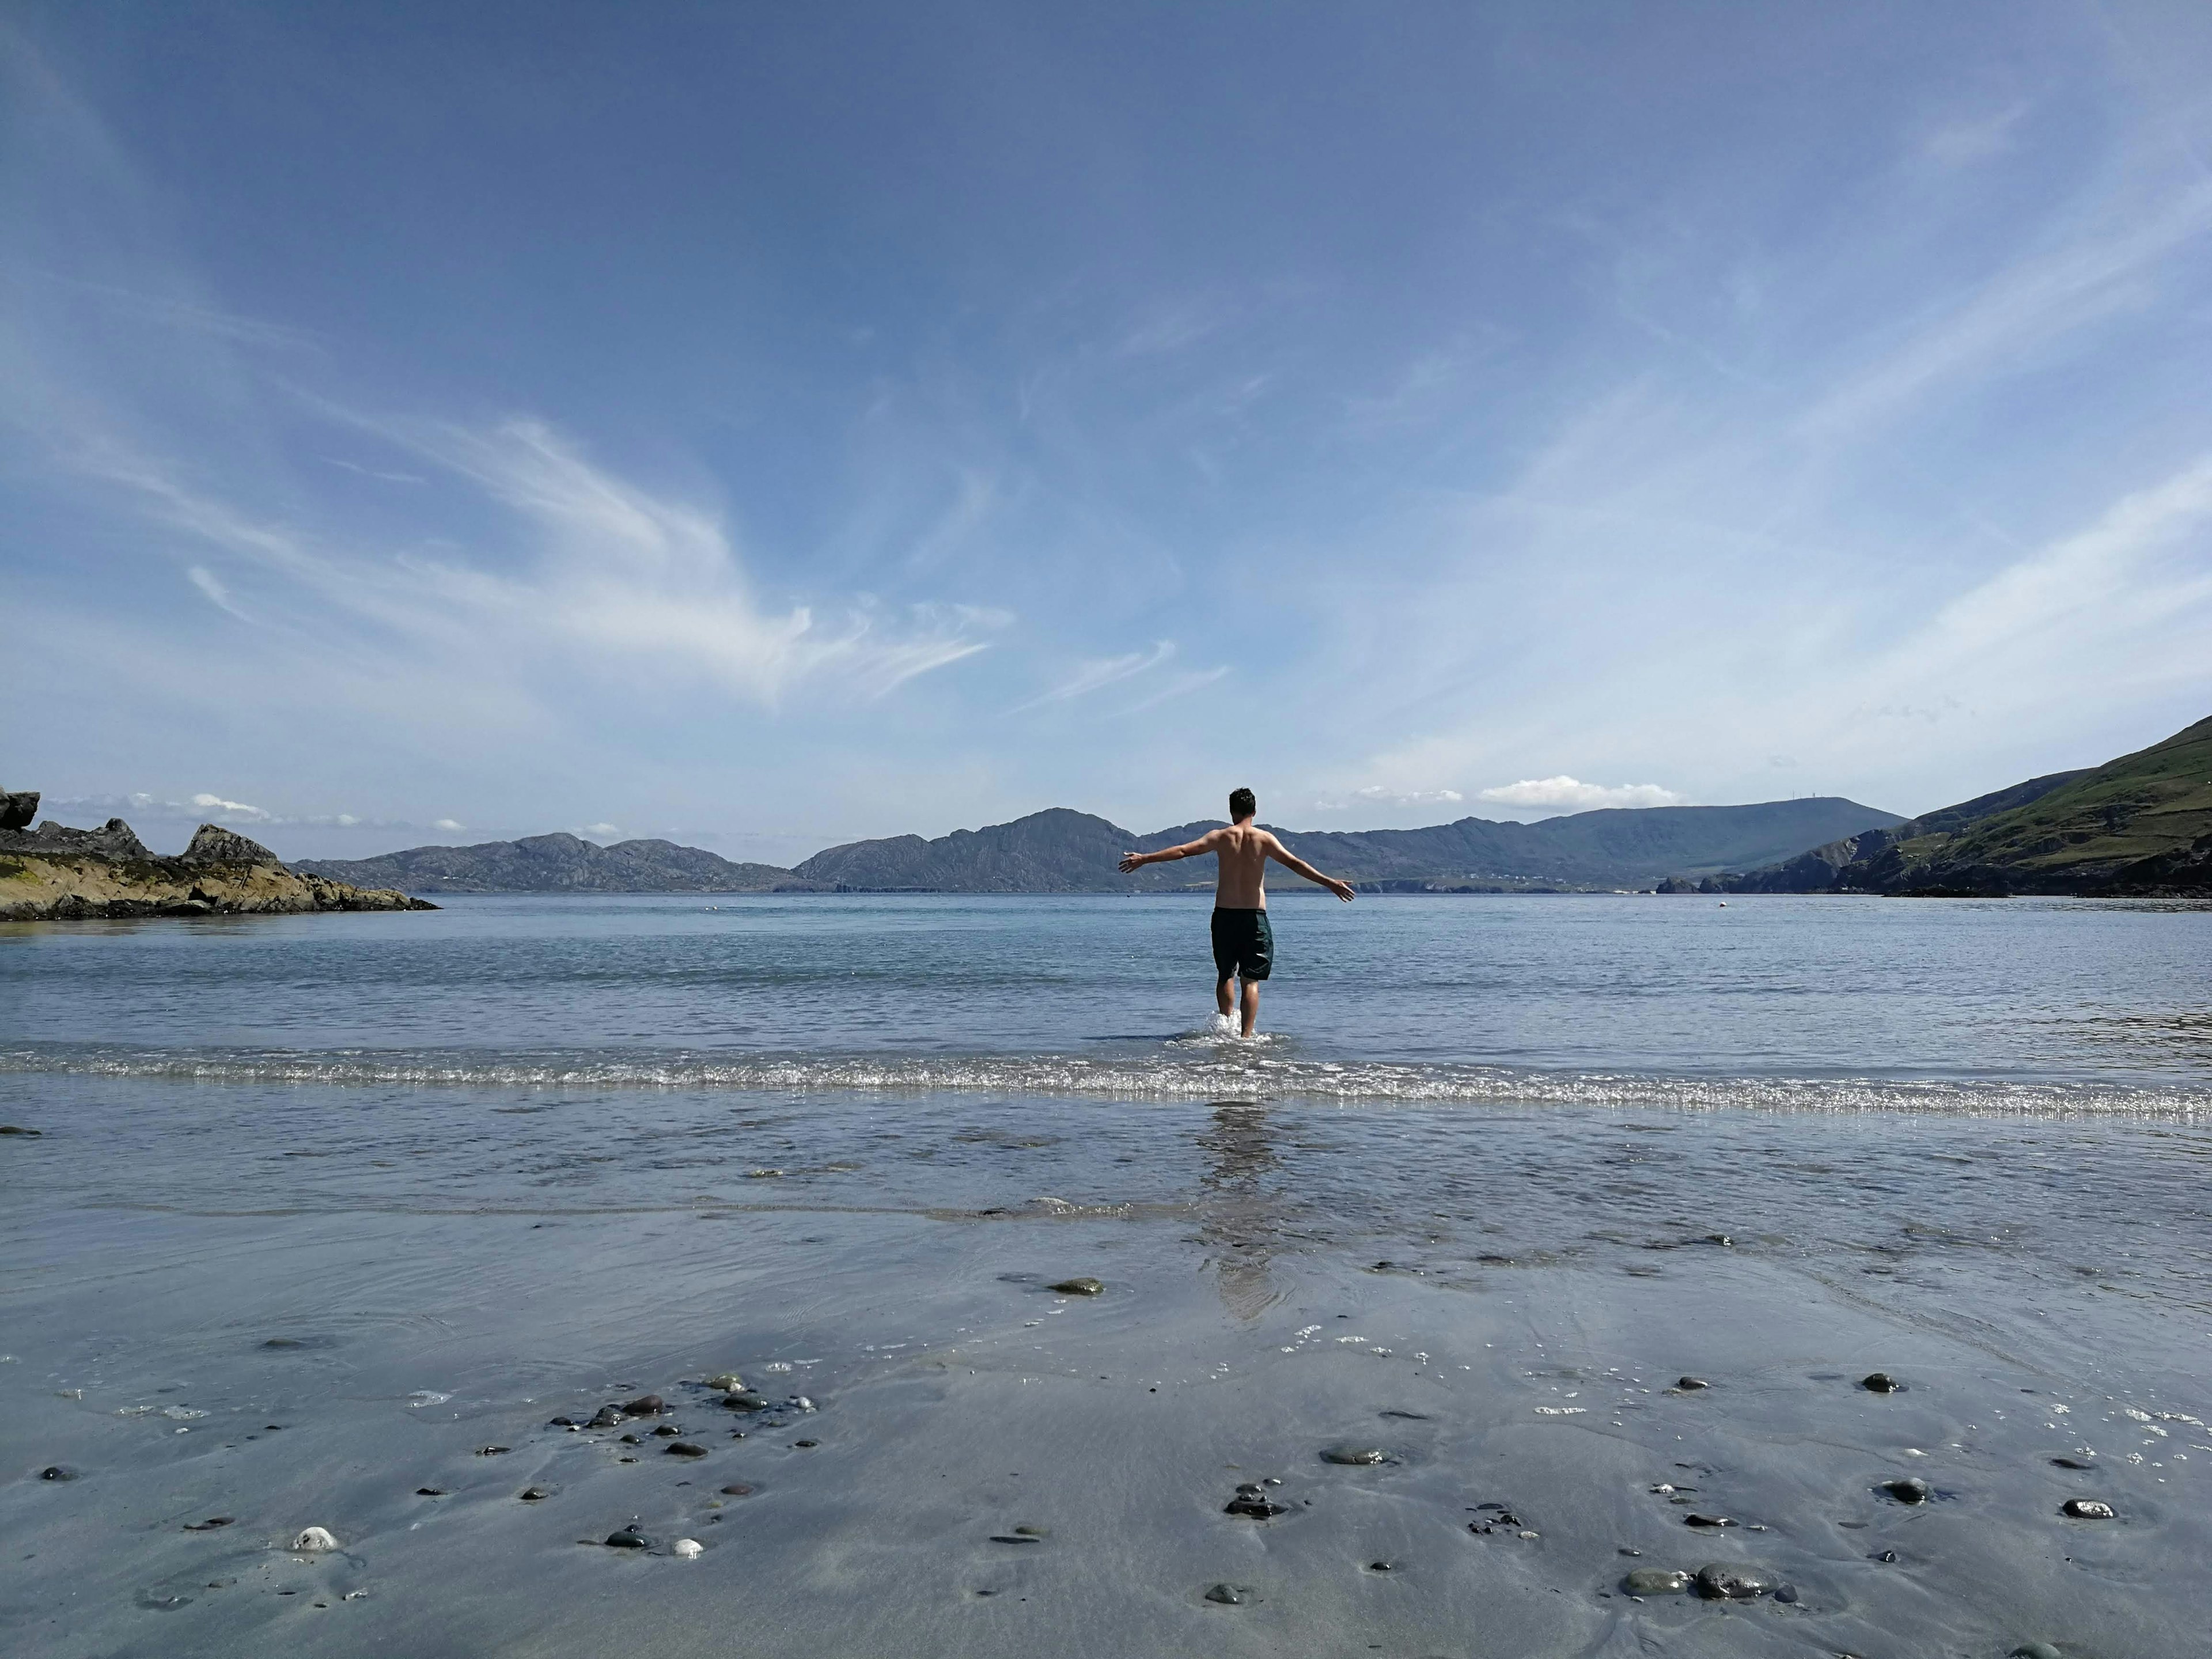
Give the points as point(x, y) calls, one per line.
point(1297, 866)
point(1189, 849)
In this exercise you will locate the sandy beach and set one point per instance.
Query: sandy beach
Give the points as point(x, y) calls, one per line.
point(377, 1334)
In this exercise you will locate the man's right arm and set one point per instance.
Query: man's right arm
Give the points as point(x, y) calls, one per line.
point(1189, 849)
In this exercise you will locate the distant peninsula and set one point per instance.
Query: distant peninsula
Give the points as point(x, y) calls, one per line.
point(55, 873)
point(1062, 851)
point(2137, 826)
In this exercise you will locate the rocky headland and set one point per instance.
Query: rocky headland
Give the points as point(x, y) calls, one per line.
point(55, 873)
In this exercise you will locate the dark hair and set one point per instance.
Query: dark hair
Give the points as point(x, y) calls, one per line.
point(1243, 804)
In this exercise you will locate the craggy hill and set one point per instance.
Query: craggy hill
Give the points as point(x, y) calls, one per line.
point(557, 864)
point(1059, 851)
point(2138, 825)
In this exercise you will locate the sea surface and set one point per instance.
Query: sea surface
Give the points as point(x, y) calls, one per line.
point(328, 1217)
point(2033, 1006)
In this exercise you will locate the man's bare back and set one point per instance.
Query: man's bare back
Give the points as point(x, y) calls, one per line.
point(1244, 941)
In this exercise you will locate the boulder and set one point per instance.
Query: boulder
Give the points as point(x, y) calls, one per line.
point(18, 808)
point(213, 844)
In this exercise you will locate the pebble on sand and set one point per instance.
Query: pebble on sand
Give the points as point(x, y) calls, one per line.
point(744, 1400)
point(1708, 1521)
point(1080, 1287)
point(1345, 1452)
point(687, 1548)
point(1723, 1581)
point(685, 1448)
point(1228, 1596)
point(314, 1537)
point(2087, 1509)
point(627, 1538)
point(1657, 1581)
point(1691, 1384)
point(56, 1472)
point(211, 1524)
point(728, 1382)
point(739, 1491)
point(609, 1416)
point(1908, 1489)
point(1256, 1509)
point(533, 1494)
point(646, 1404)
point(1880, 1383)
point(2036, 1651)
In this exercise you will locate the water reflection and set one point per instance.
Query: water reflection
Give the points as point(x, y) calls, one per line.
point(1240, 1213)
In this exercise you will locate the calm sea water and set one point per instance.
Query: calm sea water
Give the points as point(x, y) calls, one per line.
point(2019, 1006)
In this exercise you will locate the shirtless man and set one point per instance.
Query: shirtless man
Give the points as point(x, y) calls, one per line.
point(1244, 943)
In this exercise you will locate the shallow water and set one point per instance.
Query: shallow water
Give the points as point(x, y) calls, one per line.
point(407, 1187)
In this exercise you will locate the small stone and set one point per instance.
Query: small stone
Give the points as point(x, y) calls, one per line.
point(1887, 1556)
point(563, 1423)
point(668, 1430)
point(533, 1494)
point(56, 1472)
point(1080, 1287)
point(1880, 1383)
point(1347, 1453)
point(806, 1445)
point(2073, 1463)
point(684, 1449)
point(430, 1491)
point(314, 1537)
point(744, 1400)
point(211, 1523)
point(2036, 1651)
point(1726, 1582)
point(1256, 1509)
point(1690, 1384)
point(609, 1416)
point(728, 1382)
point(687, 1548)
point(1657, 1581)
point(633, 1440)
point(1786, 1594)
point(1014, 1538)
point(1380, 1566)
point(492, 1451)
point(646, 1404)
point(2087, 1509)
point(1228, 1595)
point(1707, 1521)
point(1909, 1489)
point(629, 1538)
point(739, 1491)
point(17, 1129)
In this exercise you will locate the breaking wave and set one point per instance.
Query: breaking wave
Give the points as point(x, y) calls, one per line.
point(1207, 1074)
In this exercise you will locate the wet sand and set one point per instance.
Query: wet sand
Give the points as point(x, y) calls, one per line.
point(305, 1308)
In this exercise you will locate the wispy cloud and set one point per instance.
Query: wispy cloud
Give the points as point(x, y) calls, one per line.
point(1179, 685)
point(1095, 673)
point(1376, 794)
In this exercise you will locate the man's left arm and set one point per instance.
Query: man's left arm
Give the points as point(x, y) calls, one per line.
point(1297, 866)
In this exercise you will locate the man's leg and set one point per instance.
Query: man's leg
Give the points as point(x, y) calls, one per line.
point(1251, 1004)
point(1222, 999)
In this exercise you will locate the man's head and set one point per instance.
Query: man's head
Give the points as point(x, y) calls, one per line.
point(1242, 804)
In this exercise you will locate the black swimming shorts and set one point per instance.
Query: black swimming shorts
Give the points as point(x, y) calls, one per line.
point(1243, 943)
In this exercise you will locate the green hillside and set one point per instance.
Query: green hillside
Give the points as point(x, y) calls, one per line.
point(2137, 823)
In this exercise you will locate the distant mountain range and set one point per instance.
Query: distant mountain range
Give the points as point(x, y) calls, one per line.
point(2141, 824)
point(557, 864)
point(1061, 851)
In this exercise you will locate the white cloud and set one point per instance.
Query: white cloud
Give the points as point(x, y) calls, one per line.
point(447, 824)
point(218, 807)
point(1376, 795)
point(1570, 795)
point(1196, 679)
point(1973, 138)
point(597, 831)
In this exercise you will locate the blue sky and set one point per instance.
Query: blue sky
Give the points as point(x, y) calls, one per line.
point(768, 426)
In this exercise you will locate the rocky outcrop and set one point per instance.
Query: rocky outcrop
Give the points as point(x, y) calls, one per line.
point(18, 808)
point(55, 873)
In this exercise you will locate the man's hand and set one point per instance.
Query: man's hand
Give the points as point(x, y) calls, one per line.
point(1133, 860)
point(1341, 889)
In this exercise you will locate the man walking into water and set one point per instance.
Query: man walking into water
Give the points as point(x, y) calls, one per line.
point(1244, 943)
